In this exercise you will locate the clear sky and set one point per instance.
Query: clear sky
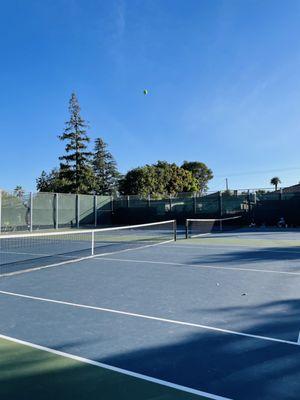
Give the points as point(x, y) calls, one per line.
point(223, 80)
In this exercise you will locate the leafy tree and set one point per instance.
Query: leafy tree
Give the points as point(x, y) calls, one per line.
point(105, 169)
point(43, 182)
point(275, 182)
point(161, 178)
point(53, 181)
point(75, 168)
point(200, 171)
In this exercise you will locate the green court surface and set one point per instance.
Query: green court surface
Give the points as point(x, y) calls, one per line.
point(28, 373)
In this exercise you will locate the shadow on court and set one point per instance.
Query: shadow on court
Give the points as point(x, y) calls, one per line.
point(228, 365)
point(279, 317)
point(31, 374)
point(244, 255)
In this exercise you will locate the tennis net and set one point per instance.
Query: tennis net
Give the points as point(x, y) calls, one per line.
point(199, 227)
point(22, 252)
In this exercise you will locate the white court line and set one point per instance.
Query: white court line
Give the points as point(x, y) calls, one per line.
point(75, 260)
point(255, 248)
point(115, 369)
point(149, 317)
point(198, 266)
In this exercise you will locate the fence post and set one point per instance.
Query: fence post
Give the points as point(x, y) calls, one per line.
point(112, 203)
point(128, 201)
point(254, 197)
point(149, 200)
point(220, 204)
point(0, 210)
point(77, 210)
point(249, 205)
point(249, 199)
point(95, 211)
point(195, 202)
point(30, 212)
point(56, 210)
point(170, 202)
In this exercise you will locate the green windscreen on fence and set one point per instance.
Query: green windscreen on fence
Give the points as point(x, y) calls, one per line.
point(40, 211)
point(233, 203)
point(15, 211)
point(86, 210)
point(43, 211)
point(67, 210)
point(104, 210)
point(208, 205)
point(183, 203)
point(138, 201)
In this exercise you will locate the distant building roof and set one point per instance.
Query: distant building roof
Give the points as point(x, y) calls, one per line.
point(291, 189)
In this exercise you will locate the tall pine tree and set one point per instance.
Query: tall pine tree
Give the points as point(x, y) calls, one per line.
point(105, 169)
point(75, 167)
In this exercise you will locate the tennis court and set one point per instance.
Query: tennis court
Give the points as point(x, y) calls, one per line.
point(138, 315)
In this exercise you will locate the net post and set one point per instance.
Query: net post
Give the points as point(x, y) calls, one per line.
point(186, 228)
point(95, 210)
point(56, 211)
point(77, 210)
point(0, 210)
point(31, 211)
point(175, 229)
point(221, 225)
point(93, 243)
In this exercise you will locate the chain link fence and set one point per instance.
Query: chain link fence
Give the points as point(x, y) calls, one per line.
point(21, 211)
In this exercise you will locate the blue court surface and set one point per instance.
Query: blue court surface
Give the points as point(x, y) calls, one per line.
point(212, 317)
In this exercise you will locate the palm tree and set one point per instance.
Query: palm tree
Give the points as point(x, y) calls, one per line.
point(19, 191)
point(275, 181)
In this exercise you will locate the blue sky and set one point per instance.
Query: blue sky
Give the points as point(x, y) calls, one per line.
point(223, 80)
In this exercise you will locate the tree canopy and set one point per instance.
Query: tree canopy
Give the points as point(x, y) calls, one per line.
point(75, 167)
point(105, 169)
point(81, 170)
point(158, 179)
point(200, 172)
point(54, 181)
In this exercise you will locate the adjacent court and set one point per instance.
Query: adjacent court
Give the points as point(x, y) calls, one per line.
point(215, 316)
